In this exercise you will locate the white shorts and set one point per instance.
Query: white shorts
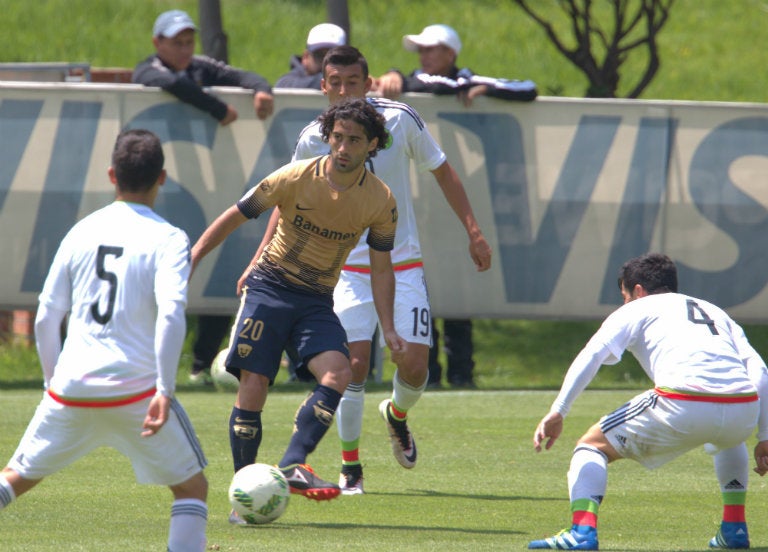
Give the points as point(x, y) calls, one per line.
point(353, 303)
point(654, 430)
point(58, 435)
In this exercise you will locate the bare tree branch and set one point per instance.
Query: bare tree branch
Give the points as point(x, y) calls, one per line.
point(634, 24)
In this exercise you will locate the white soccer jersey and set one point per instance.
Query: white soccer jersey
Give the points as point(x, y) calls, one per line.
point(410, 139)
point(113, 272)
point(689, 348)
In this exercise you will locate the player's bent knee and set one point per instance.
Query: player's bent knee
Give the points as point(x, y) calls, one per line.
point(337, 379)
point(594, 437)
point(416, 360)
point(360, 368)
point(194, 487)
point(331, 368)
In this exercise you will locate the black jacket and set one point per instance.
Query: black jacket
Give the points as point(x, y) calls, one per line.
point(297, 77)
point(202, 72)
point(463, 79)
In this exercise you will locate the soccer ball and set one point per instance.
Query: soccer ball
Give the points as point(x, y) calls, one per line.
point(259, 493)
point(219, 373)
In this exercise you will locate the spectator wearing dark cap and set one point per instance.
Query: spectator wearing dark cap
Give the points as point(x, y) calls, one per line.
point(438, 47)
point(306, 69)
point(176, 69)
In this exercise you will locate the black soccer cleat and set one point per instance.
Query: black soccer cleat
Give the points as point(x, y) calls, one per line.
point(351, 479)
point(302, 480)
point(403, 444)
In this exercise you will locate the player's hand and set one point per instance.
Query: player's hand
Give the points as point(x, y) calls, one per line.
point(550, 427)
point(761, 458)
point(397, 346)
point(480, 252)
point(157, 415)
point(390, 85)
point(241, 280)
point(264, 104)
point(230, 117)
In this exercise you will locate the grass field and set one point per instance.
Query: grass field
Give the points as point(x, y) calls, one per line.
point(478, 485)
point(509, 355)
point(708, 49)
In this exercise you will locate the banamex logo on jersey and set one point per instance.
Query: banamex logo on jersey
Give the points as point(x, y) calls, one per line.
point(565, 190)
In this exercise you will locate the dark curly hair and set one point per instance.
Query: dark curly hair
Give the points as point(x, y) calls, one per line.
point(361, 112)
point(656, 272)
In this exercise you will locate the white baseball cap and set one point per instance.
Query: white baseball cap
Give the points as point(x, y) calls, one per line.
point(433, 35)
point(169, 24)
point(325, 35)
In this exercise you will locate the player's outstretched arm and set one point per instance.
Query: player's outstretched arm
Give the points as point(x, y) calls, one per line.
point(383, 289)
point(268, 234)
point(549, 429)
point(223, 226)
point(48, 338)
point(454, 193)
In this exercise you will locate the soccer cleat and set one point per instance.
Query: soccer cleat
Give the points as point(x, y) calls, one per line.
point(403, 444)
point(731, 535)
point(302, 480)
point(578, 537)
point(351, 480)
point(235, 519)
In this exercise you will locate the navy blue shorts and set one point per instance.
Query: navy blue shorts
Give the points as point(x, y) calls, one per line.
point(271, 318)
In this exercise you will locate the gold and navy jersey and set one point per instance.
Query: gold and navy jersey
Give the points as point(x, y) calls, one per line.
point(319, 225)
point(410, 145)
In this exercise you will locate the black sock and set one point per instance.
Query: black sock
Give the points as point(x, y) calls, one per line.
point(244, 436)
point(313, 418)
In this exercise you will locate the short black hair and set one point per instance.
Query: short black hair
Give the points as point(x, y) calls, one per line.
point(137, 160)
point(345, 56)
point(361, 112)
point(656, 272)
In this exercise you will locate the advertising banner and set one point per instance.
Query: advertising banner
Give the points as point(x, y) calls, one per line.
point(565, 191)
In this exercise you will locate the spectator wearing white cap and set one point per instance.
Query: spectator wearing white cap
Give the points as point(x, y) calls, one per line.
point(306, 69)
point(176, 69)
point(307, 72)
point(438, 47)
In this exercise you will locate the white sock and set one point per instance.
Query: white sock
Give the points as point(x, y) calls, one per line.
point(732, 468)
point(189, 517)
point(349, 414)
point(406, 396)
point(588, 474)
point(6, 493)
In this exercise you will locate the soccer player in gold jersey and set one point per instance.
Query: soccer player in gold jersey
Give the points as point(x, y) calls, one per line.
point(325, 203)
